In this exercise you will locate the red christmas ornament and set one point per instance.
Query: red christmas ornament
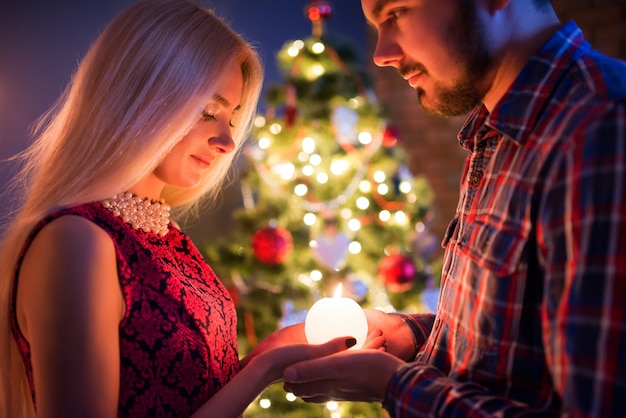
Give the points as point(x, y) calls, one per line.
point(290, 115)
point(397, 272)
point(318, 10)
point(272, 245)
point(390, 136)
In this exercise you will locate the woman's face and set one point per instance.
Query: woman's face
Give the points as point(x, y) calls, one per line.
point(209, 138)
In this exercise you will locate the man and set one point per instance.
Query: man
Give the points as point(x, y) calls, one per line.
point(532, 312)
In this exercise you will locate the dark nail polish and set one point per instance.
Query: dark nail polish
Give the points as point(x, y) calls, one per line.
point(350, 342)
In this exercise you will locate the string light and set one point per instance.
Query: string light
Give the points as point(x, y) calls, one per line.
point(305, 279)
point(309, 219)
point(316, 70)
point(308, 145)
point(259, 121)
point(322, 178)
point(293, 51)
point(300, 190)
point(308, 170)
point(332, 405)
point(275, 128)
point(339, 167)
point(379, 176)
point(362, 203)
point(400, 218)
point(318, 48)
point(365, 138)
point(354, 247)
point(315, 159)
point(405, 187)
point(264, 142)
point(354, 225)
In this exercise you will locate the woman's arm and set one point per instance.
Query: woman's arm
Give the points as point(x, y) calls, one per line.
point(263, 370)
point(69, 306)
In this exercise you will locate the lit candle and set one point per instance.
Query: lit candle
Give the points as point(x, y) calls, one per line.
point(335, 317)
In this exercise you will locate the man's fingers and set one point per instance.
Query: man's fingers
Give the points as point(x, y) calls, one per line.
point(375, 342)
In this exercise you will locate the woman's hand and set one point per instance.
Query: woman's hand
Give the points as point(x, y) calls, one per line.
point(275, 360)
point(294, 334)
point(262, 370)
point(290, 335)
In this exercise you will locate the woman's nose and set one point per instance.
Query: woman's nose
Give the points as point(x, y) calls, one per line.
point(223, 143)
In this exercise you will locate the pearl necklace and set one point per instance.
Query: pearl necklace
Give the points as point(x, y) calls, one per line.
point(142, 214)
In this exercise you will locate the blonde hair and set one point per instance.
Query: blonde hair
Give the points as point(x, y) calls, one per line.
point(139, 89)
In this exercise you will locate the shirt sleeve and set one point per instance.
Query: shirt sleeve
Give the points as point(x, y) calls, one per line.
point(582, 237)
point(420, 325)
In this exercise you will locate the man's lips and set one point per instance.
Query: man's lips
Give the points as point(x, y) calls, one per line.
point(413, 78)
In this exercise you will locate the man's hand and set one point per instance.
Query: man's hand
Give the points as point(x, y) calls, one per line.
point(355, 375)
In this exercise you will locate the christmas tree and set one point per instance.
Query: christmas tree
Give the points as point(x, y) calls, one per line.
point(327, 200)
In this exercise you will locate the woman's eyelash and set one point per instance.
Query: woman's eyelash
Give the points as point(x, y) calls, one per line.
point(206, 116)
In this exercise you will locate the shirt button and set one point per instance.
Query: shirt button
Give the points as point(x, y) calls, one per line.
point(476, 177)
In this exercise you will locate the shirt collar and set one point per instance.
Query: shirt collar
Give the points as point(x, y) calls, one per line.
point(517, 112)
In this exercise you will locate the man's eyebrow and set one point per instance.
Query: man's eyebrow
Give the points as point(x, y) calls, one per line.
point(379, 6)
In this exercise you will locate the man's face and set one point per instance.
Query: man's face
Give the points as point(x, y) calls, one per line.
point(438, 46)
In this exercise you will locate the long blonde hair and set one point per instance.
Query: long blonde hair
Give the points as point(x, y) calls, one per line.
point(138, 90)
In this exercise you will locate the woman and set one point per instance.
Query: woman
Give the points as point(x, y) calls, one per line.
point(109, 309)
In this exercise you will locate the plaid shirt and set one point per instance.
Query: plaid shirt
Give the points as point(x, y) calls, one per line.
point(532, 311)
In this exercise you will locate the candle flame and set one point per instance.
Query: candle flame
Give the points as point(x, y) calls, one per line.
point(337, 293)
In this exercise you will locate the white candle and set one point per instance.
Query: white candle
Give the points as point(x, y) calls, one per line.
point(335, 317)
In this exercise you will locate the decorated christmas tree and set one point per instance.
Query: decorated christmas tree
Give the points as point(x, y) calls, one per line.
point(327, 200)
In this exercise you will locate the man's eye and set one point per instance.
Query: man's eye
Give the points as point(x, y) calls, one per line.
point(396, 13)
point(206, 116)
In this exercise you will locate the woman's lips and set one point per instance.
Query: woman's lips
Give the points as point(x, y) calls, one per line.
point(204, 162)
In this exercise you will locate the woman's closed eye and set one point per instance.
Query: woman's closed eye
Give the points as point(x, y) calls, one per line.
point(206, 117)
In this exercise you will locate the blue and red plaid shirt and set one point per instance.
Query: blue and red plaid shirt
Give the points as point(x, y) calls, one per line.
point(532, 311)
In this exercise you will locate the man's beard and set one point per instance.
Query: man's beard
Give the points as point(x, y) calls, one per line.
point(468, 39)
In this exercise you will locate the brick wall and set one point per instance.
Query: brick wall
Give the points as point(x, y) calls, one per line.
point(602, 21)
point(431, 142)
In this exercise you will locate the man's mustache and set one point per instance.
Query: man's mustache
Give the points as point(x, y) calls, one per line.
point(405, 70)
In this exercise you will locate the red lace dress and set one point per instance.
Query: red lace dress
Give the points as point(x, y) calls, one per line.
point(178, 341)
